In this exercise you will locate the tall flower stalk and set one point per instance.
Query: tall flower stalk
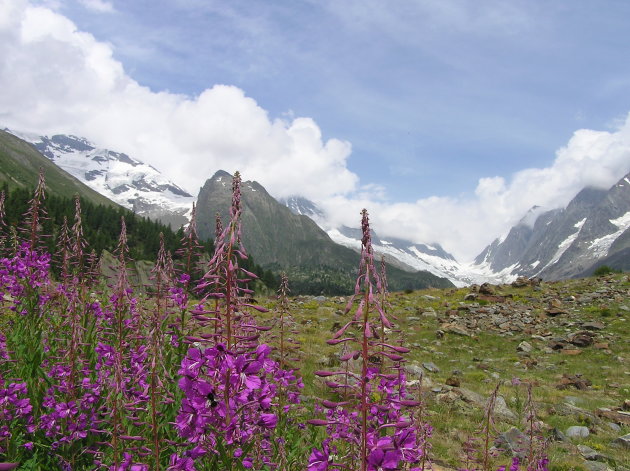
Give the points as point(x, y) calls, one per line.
point(227, 376)
point(380, 435)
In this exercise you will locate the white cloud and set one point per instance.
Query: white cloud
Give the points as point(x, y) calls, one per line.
point(465, 225)
point(56, 79)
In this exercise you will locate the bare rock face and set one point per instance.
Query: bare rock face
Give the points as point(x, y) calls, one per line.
point(593, 230)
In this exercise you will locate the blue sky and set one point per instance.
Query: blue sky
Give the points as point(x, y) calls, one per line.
point(433, 95)
point(447, 119)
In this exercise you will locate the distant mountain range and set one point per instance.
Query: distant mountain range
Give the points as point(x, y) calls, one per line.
point(282, 235)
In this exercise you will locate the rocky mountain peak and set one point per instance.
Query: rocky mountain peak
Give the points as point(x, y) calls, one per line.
point(592, 229)
point(121, 178)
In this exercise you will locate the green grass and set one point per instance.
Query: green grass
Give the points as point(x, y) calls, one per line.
point(487, 358)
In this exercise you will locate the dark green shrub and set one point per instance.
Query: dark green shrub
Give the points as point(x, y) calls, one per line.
point(605, 270)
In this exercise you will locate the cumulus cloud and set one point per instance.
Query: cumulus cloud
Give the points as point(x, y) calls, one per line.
point(466, 225)
point(56, 79)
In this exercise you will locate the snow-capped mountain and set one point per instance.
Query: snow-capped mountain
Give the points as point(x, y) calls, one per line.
point(121, 178)
point(425, 257)
point(302, 207)
point(399, 252)
point(593, 229)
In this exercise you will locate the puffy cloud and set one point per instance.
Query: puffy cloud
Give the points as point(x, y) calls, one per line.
point(56, 79)
point(465, 225)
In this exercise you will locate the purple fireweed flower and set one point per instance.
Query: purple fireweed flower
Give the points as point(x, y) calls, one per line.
point(382, 459)
point(320, 460)
point(181, 464)
point(376, 432)
point(267, 420)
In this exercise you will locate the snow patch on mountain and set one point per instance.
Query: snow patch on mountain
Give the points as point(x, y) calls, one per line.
point(601, 245)
point(423, 257)
point(565, 244)
point(127, 181)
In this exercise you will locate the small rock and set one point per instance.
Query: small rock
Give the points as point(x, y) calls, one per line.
point(514, 442)
point(557, 436)
point(570, 351)
point(576, 381)
point(501, 409)
point(524, 347)
point(581, 339)
point(431, 367)
point(415, 372)
point(412, 319)
point(593, 326)
point(453, 381)
point(596, 466)
point(589, 454)
point(577, 431)
point(486, 288)
point(623, 441)
point(470, 297)
point(553, 312)
point(319, 299)
point(520, 282)
point(557, 343)
point(456, 329)
point(613, 426)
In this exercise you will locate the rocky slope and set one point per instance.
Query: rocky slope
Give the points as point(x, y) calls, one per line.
point(593, 229)
point(566, 339)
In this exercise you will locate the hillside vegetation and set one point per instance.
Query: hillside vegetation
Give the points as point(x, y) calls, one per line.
point(20, 164)
point(201, 376)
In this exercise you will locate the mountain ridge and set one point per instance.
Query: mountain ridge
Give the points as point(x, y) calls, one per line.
point(21, 162)
point(593, 229)
point(281, 240)
point(129, 182)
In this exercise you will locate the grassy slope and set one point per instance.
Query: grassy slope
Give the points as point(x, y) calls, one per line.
point(19, 168)
point(490, 356)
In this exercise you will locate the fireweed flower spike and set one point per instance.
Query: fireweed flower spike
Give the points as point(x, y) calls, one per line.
point(3, 224)
point(227, 413)
point(362, 434)
point(36, 214)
